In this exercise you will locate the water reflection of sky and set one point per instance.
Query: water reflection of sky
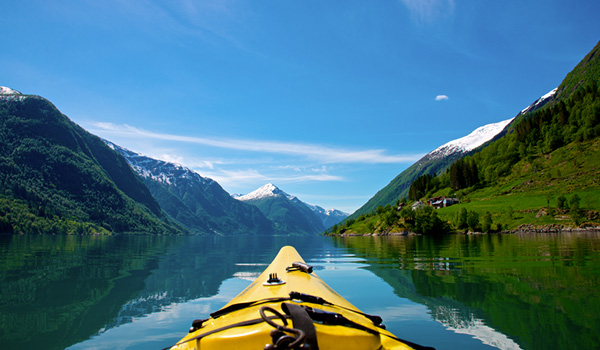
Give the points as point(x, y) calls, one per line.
point(162, 329)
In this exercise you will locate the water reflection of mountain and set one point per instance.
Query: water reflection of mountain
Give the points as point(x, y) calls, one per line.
point(193, 269)
point(61, 290)
point(57, 290)
point(539, 292)
point(455, 315)
point(196, 269)
point(466, 322)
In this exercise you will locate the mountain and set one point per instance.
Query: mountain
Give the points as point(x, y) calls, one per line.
point(198, 203)
point(329, 217)
point(438, 160)
point(289, 214)
point(55, 177)
point(540, 173)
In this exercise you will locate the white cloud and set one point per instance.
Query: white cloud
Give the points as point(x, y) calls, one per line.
point(425, 11)
point(236, 178)
point(248, 178)
point(442, 98)
point(319, 153)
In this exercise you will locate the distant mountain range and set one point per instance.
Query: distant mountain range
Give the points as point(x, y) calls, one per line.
point(290, 214)
point(438, 160)
point(203, 206)
point(329, 217)
point(55, 177)
point(198, 203)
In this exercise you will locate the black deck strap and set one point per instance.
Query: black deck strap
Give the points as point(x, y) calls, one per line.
point(307, 298)
point(332, 318)
point(197, 324)
point(240, 306)
point(239, 324)
point(335, 319)
point(302, 321)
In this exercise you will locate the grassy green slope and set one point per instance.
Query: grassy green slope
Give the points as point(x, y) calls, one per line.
point(398, 187)
point(529, 194)
point(288, 216)
point(547, 155)
point(207, 208)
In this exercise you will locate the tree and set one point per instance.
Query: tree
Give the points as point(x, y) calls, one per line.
point(473, 220)
point(390, 217)
point(427, 221)
point(462, 219)
point(463, 174)
point(408, 215)
point(420, 186)
point(486, 225)
point(334, 228)
point(561, 202)
point(574, 200)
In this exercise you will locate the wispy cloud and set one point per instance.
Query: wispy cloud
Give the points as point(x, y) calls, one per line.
point(253, 177)
point(239, 178)
point(427, 11)
point(319, 153)
point(442, 98)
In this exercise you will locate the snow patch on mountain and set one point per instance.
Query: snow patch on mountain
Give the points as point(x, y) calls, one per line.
point(268, 190)
point(8, 94)
point(164, 172)
point(483, 134)
point(328, 217)
point(8, 91)
point(539, 101)
point(468, 143)
point(326, 212)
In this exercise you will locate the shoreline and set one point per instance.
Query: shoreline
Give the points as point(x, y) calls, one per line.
point(520, 229)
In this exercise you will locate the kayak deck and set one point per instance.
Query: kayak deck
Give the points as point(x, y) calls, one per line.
point(285, 296)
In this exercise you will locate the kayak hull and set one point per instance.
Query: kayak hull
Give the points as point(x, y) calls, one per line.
point(239, 324)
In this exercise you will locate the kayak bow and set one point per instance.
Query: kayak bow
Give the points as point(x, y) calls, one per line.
point(290, 307)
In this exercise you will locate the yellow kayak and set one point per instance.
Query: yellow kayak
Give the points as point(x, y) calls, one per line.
point(289, 307)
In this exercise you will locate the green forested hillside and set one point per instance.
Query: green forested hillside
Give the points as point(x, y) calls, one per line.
point(543, 173)
point(208, 208)
point(57, 178)
point(199, 204)
point(289, 216)
point(399, 186)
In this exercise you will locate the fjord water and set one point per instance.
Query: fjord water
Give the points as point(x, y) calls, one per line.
point(518, 291)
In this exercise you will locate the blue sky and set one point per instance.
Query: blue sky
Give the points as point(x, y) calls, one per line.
point(329, 100)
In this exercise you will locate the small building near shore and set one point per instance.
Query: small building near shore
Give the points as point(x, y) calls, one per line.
point(417, 205)
point(450, 201)
point(441, 202)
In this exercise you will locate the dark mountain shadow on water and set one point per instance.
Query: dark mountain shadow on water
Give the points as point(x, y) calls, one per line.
point(499, 289)
point(61, 290)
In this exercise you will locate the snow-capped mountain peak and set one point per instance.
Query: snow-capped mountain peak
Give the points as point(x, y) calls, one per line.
point(289, 211)
point(540, 101)
point(167, 173)
point(326, 212)
point(268, 190)
point(8, 91)
point(485, 133)
point(8, 94)
point(475, 139)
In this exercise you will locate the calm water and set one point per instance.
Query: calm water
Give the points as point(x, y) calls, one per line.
point(534, 291)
